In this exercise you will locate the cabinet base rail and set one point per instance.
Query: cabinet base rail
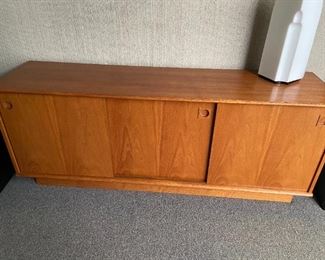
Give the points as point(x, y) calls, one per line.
point(203, 189)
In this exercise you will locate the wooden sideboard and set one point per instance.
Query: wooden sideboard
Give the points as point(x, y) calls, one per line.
point(208, 132)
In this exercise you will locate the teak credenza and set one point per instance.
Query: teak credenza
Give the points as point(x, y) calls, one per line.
point(192, 131)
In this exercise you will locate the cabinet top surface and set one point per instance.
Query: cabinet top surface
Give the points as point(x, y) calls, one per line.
point(204, 85)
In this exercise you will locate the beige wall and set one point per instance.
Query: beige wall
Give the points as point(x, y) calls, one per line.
point(178, 33)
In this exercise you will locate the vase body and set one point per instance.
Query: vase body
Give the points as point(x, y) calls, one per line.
point(289, 39)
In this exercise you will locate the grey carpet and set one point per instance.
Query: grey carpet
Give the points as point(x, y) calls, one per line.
point(38, 222)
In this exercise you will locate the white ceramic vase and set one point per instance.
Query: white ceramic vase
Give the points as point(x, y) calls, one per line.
point(289, 39)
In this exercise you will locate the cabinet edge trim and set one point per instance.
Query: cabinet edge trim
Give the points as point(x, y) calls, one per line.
point(166, 183)
point(9, 146)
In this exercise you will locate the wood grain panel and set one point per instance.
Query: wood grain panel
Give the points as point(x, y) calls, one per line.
point(83, 129)
point(58, 135)
point(266, 146)
point(127, 82)
point(33, 133)
point(156, 139)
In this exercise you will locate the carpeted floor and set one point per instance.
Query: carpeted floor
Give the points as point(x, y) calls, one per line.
point(38, 222)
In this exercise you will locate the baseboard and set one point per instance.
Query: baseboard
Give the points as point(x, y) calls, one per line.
point(165, 186)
